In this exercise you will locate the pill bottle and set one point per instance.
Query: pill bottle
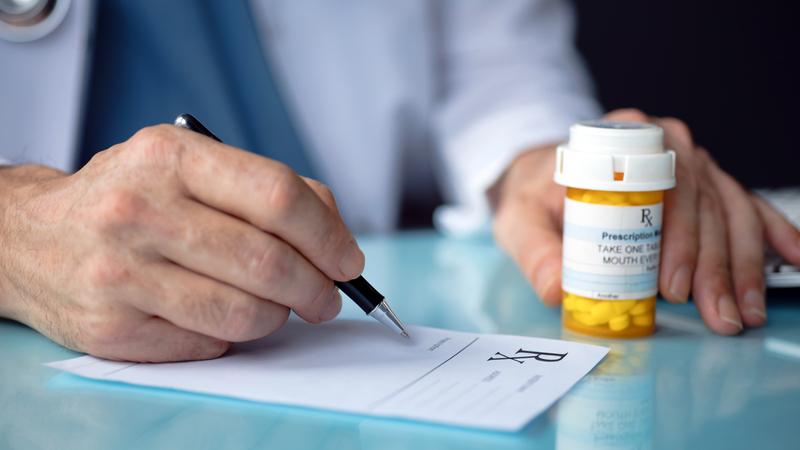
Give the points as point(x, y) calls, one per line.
point(616, 174)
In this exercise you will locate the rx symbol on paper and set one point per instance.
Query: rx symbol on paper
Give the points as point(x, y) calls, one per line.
point(647, 217)
point(522, 354)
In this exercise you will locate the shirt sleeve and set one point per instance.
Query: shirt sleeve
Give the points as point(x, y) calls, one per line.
point(511, 80)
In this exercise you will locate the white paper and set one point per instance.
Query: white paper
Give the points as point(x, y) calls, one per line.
point(487, 381)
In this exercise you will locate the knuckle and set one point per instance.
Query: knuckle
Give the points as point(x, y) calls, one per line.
point(240, 321)
point(710, 202)
point(106, 271)
point(751, 266)
point(325, 193)
point(678, 128)
point(119, 207)
point(721, 271)
point(283, 190)
point(688, 178)
point(681, 246)
point(334, 240)
point(156, 144)
point(269, 265)
point(703, 158)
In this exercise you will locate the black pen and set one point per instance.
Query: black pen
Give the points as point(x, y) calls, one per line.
point(359, 290)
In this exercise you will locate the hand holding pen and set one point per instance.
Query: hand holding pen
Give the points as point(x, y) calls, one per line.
point(358, 289)
point(170, 246)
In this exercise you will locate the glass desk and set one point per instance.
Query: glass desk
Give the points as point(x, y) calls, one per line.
point(682, 388)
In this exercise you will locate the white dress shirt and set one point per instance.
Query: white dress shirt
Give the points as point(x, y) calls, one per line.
point(389, 96)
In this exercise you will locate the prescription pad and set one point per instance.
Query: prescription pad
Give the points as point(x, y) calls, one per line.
point(498, 382)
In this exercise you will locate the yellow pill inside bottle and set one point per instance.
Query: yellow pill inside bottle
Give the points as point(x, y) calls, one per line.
point(616, 174)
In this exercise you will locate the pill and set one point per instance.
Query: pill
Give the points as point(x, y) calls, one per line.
point(622, 306)
point(641, 307)
point(586, 319)
point(644, 320)
point(620, 322)
point(583, 304)
point(602, 311)
point(569, 302)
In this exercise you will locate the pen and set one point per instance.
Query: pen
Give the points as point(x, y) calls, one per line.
point(359, 290)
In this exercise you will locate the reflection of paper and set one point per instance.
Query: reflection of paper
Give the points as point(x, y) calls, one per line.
point(487, 381)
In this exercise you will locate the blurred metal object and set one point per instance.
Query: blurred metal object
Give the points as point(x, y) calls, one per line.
point(29, 20)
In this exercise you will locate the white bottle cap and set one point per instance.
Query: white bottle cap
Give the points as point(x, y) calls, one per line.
point(597, 149)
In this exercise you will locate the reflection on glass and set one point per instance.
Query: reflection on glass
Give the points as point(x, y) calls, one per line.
point(612, 408)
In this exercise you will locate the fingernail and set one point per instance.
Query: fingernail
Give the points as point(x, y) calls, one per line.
point(757, 312)
point(353, 261)
point(728, 312)
point(333, 306)
point(755, 302)
point(679, 285)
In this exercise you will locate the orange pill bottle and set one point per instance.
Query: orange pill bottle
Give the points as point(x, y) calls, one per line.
point(616, 174)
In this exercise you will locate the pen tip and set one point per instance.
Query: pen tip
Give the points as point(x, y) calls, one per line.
point(405, 334)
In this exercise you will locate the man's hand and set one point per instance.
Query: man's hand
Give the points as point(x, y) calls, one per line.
point(714, 231)
point(168, 247)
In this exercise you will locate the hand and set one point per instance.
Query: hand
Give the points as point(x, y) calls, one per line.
point(168, 247)
point(713, 237)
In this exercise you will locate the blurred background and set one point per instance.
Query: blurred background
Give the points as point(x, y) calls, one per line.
point(728, 69)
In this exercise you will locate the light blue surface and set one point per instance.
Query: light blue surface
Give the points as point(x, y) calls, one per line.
point(682, 388)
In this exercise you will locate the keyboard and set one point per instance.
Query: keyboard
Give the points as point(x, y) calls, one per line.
point(779, 273)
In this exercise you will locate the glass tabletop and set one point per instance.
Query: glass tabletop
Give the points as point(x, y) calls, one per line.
point(682, 388)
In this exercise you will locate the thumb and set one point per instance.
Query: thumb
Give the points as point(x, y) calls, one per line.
point(528, 229)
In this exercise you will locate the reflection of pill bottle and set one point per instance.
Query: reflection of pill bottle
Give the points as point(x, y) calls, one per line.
point(613, 406)
point(616, 174)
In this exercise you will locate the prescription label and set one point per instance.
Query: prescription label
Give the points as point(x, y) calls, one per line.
point(611, 252)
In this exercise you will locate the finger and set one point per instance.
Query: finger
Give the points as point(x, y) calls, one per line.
point(680, 231)
point(531, 235)
point(232, 251)
point(323, 192)
point(746, 246)
point(627, 115)
point(261, 191)
point(205, 306)
point(781, 234)
point(712, 280)
point(155, 340)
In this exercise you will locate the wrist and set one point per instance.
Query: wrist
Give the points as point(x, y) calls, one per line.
point(13, 182)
